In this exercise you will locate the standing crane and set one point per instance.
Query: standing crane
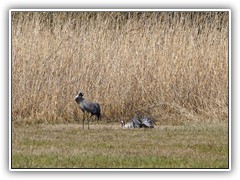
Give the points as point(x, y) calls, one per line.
point(89, 107)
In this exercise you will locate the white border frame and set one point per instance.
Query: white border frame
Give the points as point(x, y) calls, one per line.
point(122, 10)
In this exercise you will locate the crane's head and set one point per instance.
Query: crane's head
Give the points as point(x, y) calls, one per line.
point(80, 94)
point(79, 97)
point(122, 123)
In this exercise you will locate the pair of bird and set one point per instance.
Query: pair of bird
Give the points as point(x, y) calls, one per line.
point(94, 109)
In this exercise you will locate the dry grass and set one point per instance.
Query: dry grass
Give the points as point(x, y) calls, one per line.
point(172, 66)
point(202, 145)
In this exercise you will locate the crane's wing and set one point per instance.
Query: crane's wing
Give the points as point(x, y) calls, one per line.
point(136, 122)
point(147, 122)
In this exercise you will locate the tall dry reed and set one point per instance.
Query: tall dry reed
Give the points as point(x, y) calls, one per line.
point(170, 65)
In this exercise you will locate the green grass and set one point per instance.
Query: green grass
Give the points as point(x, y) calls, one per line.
point(109, 146)
point(103, 161)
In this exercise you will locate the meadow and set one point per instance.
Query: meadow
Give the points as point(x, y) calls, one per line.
point(172, 66)
point(109, 146)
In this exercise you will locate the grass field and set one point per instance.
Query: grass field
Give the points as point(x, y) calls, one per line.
point(108, 146)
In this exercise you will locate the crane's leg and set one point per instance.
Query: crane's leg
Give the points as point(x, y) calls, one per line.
point(88, 124)
point(83, 120)
point(83, 123)
point(89, 121)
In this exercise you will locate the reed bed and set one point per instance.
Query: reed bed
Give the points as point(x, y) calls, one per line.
point(172, 66)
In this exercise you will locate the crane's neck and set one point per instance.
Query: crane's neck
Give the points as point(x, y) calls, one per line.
point(79, 99)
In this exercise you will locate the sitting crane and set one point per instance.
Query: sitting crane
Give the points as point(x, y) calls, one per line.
point(138, 122)
point(89, 107)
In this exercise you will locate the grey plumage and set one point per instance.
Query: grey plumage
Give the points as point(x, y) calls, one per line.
point(138, 122)
point(147, 122)
point(89, 107)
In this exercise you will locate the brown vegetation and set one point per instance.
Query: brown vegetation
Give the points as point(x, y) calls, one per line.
point(171, 65)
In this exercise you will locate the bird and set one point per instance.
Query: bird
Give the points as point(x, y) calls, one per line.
point(89, 107)
point(137, 122)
